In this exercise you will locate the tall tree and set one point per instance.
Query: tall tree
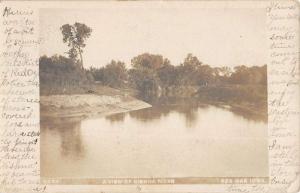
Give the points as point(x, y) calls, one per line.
point(75, 36)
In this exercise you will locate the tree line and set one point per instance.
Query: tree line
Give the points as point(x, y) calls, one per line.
point(149, 74)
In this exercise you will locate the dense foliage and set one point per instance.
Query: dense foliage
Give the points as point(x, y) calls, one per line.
point(155, 76)
point(113, 74)
point(151, 74)
point(59, 74)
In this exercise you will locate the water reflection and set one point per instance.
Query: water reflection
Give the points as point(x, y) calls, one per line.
point(259, 115)
point(149, 114)
point(115, 118)
point(69, 130)
point(188, 107)
point(189, 111)
point(158, 112)
point(134, 141)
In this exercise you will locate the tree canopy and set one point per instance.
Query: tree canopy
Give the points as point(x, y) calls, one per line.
point(75, 36)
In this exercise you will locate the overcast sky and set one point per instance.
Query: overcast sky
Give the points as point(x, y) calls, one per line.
point(218, 37)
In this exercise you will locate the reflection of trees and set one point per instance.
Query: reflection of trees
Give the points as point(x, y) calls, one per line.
point(119, 117)
point(149, 114)
point(71, 140)
point(70, 135)
point(251, 112)
point(165, 100)
point(260, 114)
point(190, 114)
point(189, 111)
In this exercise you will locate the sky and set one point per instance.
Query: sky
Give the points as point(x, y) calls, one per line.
point(217, 36)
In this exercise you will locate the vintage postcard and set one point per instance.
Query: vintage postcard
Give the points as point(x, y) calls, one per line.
point(149, 96)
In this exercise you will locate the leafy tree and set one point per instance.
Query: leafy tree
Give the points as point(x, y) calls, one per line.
point(188, 71)
point(222, 71)
point(59, 74)
point(113, 74)
point(148, 61)
point(75, 36)
point(192, 61)
point(167, 75)
point(205, 75)
point(147, 73)
point(146, 82)
point(249, 75)
point(222, 74)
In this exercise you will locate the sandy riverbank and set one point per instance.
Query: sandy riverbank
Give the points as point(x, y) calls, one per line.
point(87, 105)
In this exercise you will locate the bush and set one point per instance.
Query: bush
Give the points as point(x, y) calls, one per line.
point(59, 75)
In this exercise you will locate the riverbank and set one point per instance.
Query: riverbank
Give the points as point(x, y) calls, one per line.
point(246, 110)
point(87, 105)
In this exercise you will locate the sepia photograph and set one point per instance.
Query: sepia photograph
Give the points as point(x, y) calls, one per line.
point(163, 93)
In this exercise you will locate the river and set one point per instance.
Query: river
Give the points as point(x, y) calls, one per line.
point(161, 141)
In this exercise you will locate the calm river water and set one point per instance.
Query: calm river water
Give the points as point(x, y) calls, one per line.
point(164, 141)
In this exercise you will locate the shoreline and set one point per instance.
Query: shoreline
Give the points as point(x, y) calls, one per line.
point(96, 105)
point(242, 108)
point(87, 105)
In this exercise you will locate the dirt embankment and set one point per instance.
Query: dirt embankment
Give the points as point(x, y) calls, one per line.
point(88, 105)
